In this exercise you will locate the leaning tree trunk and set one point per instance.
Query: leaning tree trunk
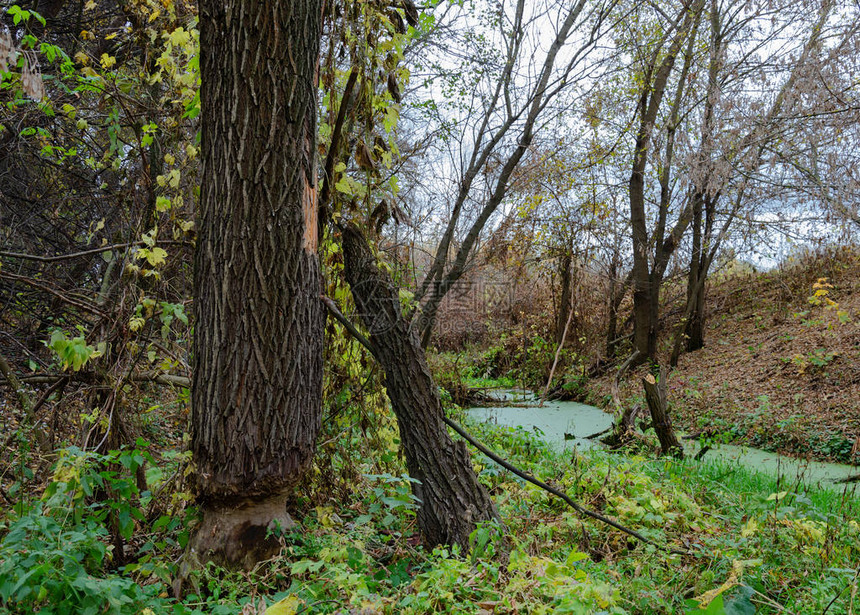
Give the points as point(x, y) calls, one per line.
point(257, 389)
point(452, 499)
point(562, 316)
point(655, 395)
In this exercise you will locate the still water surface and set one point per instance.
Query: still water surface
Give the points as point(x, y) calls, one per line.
point(566, 424)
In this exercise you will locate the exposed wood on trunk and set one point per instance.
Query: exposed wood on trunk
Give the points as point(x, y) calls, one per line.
point(655, 395)
point(256, 395)
point(453, 502)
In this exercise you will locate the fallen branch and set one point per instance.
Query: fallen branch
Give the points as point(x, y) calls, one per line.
point(332, 307)
point(848, 479)
point(616, 382)
point(555, 360)
point(78, 303)
point(624, 431)
point(702, 452)
point(505, 464)
point(539, 483)
point(156, 377)
point(597, 434)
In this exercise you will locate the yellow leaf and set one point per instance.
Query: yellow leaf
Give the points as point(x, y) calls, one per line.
point(82, 58)
point(90, 5)
point(179, 37)
point(287, 606)
point(777, 496)
point(737, 570)
point(107, 61)
point(156, 256)
point(154, 15)
point(136, 323)
point(750, 528)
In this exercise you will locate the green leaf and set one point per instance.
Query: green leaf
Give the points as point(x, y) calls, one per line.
point(362, 519)
point(740, 602)
point(162, 203)
point(343, 186)
point(715, 607)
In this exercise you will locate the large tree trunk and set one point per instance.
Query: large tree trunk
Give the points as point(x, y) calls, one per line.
point(452, 499)
point(257, 389)
point(696, 322)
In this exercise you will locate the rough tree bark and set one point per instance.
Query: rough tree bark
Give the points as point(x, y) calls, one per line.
point(655, 395)
point(453, 502)
point(695, 294)
point(613, 303)
point(257, 389)
point(646, 278)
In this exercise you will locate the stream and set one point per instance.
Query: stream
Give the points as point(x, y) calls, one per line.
point(566, 424)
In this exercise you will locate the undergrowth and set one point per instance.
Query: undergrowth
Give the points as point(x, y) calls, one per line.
point(748, 544)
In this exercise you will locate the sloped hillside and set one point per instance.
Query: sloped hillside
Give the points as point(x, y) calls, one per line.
point(781, 365)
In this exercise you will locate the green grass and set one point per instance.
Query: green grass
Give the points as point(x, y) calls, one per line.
point(749, 545)
point(503, 382)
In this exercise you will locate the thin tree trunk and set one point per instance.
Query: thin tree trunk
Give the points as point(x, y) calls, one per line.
point(453, 502)
point(562, 318)
point(614, 302)
point(696, 321)
point(696, 259)
point(26, 405)
point(646, 281)
point(557, 355)
point(257, 389)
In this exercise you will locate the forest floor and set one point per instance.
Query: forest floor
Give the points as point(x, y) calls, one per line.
point(780, 369)
point(729, 540)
